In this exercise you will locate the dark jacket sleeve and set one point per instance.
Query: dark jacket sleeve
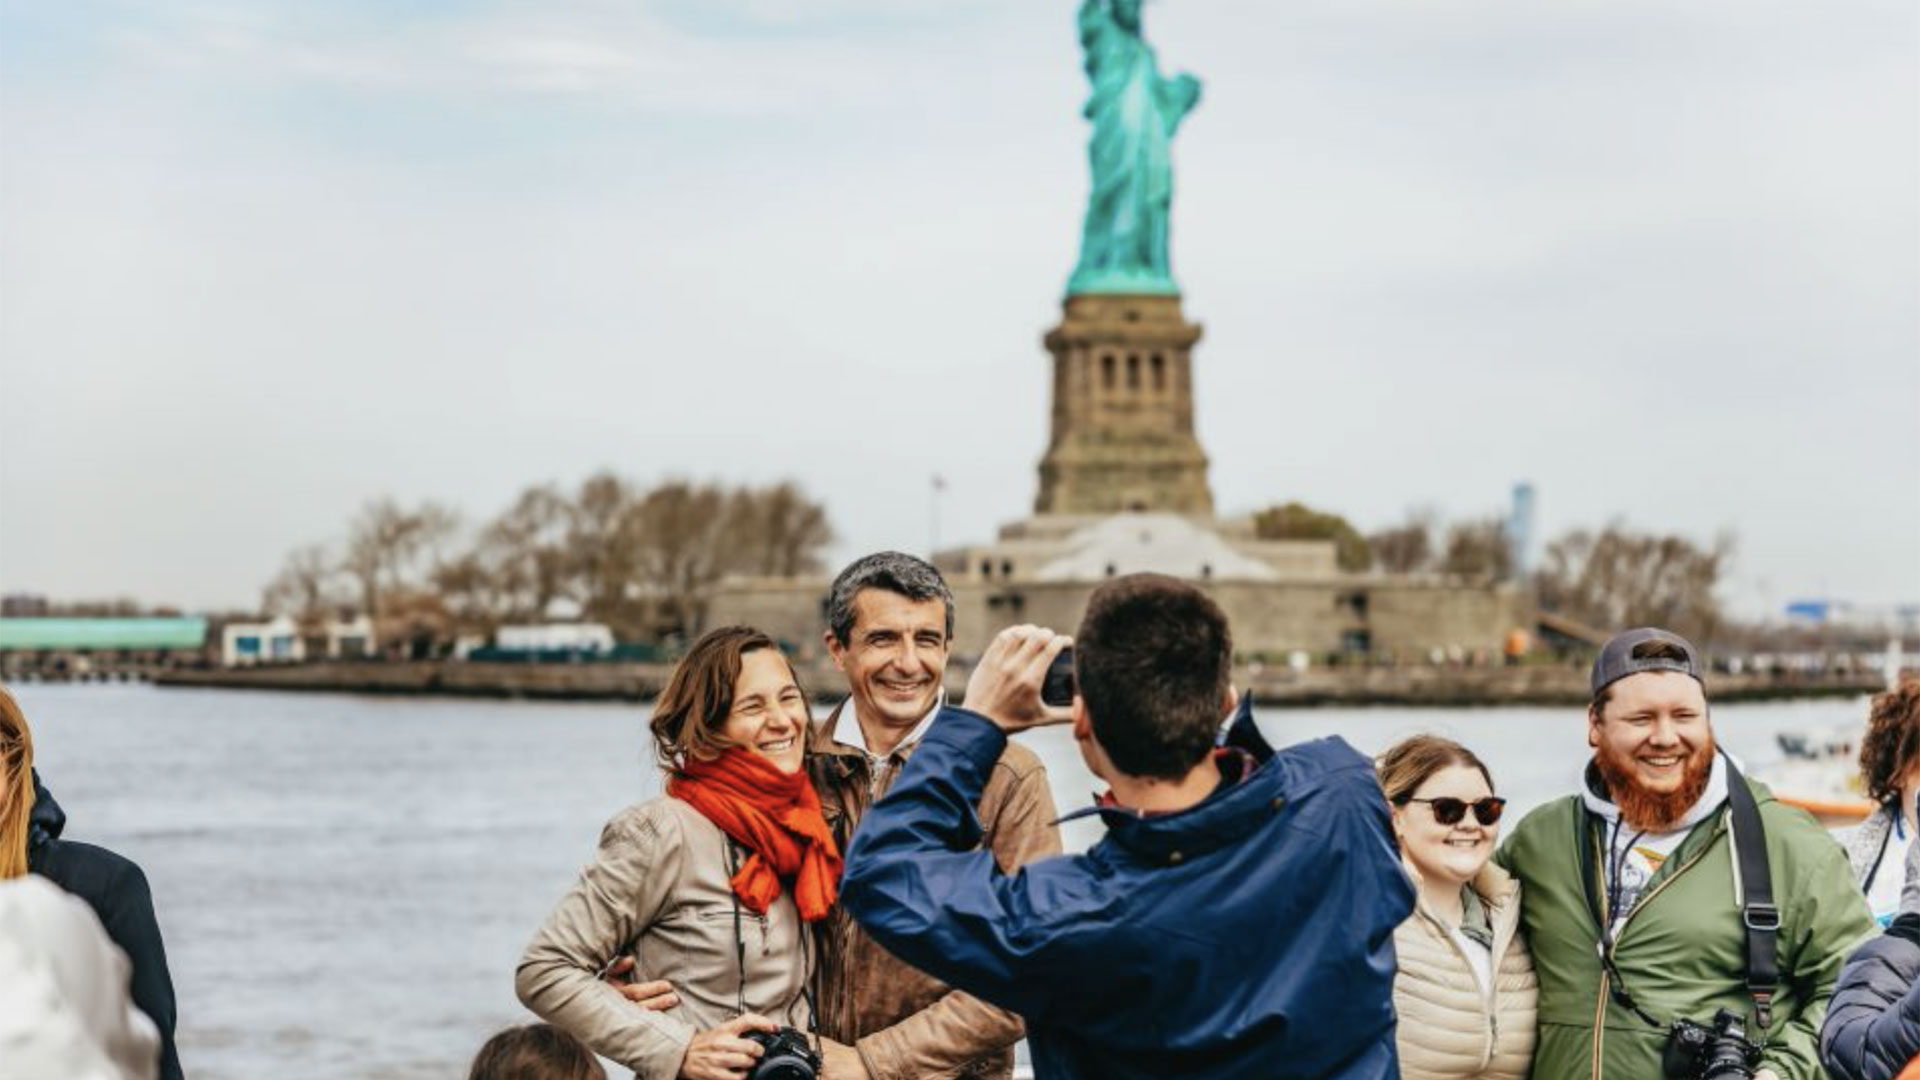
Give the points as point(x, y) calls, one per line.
point(1872, 1028)
point(117, 890)
point(916, 880)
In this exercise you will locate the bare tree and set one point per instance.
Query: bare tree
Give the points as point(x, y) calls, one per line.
point(1405, 548)
point(682, 534)
point(777, 531)
point(471, 595)
point(603, 554)
point(306, 587)
point(1616, 578)
point(1478, 549)
point(392, 552)
point(525, 555)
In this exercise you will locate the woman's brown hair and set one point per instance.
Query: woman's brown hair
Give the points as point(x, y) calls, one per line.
point(16, 787)
point(699, 696)
point(1892, 745)
point(1413, 761)
point(535, 1052)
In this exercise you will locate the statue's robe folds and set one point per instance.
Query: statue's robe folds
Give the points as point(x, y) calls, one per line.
point(1135, 112)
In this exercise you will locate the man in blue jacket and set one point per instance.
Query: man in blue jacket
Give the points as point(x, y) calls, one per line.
point(1236, 920)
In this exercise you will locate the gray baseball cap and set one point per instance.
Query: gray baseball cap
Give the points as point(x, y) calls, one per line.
point(1629, 653)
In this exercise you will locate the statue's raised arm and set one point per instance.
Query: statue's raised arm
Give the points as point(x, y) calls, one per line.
point(1123, 247)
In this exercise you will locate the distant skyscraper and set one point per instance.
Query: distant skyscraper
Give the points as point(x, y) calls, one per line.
point(1520, 529)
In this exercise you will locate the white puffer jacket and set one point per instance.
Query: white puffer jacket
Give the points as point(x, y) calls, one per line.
point(1448, 1028)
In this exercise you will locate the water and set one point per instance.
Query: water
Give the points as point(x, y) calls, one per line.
point(345, 883)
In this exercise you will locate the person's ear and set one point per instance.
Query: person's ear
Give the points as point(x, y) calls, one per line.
point(1232, 701)
point(1082, 723)
point(1593, 727)
point(835, 650)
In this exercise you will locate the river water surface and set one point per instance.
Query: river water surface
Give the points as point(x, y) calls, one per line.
point(345, 883)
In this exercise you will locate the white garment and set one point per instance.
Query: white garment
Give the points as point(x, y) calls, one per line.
point(1633, 857)
point(64, 1006)
point(848, 732)
point(1479, 960)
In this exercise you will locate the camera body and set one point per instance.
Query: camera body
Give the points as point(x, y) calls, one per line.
point(1060, 684)
point(1721, 1052)
point(789, 1056)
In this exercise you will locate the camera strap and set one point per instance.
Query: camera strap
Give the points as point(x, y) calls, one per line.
point(739, 938)
point(1758, 913)
point(740, 954)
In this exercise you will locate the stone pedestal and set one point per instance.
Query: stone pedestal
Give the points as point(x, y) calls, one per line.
point(1123, 410)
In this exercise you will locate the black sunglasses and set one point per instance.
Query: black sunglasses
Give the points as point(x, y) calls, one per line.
point(1449, 811)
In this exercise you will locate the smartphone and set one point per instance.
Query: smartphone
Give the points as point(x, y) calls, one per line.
point(1059, 687)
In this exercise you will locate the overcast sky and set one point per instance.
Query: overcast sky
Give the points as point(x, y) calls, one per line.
point(262, 261)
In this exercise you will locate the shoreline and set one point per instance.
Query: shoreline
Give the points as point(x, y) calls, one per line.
point(1411, 686)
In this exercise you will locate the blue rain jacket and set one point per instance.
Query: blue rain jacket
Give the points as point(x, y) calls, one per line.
point(1248, 936)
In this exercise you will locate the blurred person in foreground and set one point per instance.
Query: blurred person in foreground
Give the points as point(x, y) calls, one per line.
point(535, 1052)
point(1235, 922)
point(1465, 992)
point(1890, 768)
point(1647, 893)
point(890, 632)
point(31, 824)
point(1872, 1030)
point(64, 1009)
point(710, 886)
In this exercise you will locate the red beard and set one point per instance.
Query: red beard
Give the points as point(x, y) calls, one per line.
point(1653, 811)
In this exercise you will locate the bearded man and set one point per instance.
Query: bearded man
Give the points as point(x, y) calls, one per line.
point(1636, 906)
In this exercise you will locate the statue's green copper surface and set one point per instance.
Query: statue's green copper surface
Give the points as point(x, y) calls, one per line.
point(1135, 112)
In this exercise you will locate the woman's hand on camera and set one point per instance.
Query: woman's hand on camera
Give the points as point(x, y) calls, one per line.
point(725, 1053)
point(838, 1061)
point(1005, 685)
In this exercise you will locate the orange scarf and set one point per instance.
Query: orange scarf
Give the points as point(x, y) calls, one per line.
point(774, 815)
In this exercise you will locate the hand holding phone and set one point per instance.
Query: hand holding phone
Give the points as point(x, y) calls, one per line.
point(1060, 684)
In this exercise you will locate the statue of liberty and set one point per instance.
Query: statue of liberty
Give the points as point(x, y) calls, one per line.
point(1135, 112)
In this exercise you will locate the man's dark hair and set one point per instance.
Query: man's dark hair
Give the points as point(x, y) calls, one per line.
point(1153, 656)
point(915, 579)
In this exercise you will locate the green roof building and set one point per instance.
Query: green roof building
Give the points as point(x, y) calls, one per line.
point(102, 635)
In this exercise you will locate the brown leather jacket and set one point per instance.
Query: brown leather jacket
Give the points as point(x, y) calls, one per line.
point(905, 1024)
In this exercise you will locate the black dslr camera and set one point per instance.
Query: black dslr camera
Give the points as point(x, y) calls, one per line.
point(1720, 1052)
point(788, 1056)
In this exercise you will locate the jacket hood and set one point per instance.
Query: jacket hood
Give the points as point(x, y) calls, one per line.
point(47, 819)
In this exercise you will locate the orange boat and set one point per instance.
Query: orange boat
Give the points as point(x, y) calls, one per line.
point(1820, 774)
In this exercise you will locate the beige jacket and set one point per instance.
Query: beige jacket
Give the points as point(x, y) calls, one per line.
point(905, 1024)
point(657, 890)
point(1449, 1030)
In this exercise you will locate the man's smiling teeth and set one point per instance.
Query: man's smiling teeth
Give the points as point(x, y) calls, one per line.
point(1475, 842)
point(1661, 762)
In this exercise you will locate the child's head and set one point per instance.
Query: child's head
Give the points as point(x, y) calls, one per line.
point(535, 1052)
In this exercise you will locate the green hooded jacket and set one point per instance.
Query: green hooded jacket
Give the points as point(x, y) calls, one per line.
point(1682, 949)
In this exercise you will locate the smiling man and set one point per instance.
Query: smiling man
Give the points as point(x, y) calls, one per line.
point(889, 629)
point(1646, 895)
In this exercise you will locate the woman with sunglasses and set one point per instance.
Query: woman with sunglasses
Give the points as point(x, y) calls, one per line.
point(1465, 992)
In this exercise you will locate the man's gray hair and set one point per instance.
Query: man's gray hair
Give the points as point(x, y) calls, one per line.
point(894, 571)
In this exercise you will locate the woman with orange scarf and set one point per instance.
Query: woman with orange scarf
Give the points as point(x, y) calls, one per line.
point(709, 887)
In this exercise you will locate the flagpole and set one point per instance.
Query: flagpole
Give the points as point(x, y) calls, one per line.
point(933, 515)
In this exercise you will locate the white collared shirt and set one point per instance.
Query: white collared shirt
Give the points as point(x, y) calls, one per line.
point(848, 732)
